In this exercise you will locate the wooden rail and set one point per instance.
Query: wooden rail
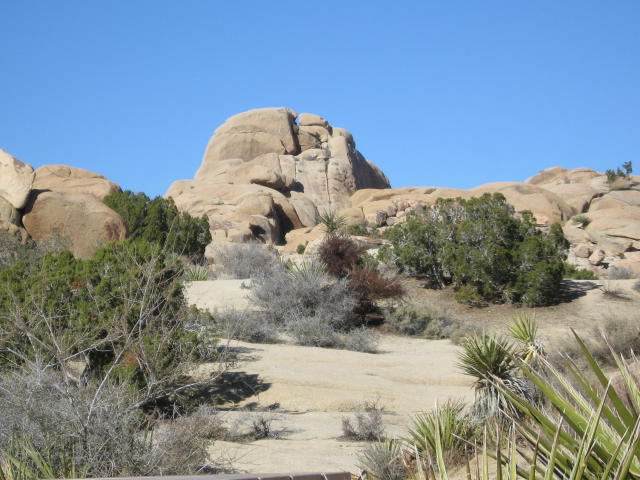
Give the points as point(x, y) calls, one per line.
point(271, 476)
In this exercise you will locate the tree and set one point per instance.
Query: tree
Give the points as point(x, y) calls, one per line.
point(122, 314)
point(159, 221)
point(481, 248)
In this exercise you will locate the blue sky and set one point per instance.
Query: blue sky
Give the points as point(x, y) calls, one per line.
point(447, 93)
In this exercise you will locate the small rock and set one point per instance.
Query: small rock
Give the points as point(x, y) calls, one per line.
point(596, 257)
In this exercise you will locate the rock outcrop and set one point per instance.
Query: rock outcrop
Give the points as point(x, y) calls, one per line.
point(64, 179)
point(57, 201)
point(610, 236)
point(80, 218)
point(16, 180)
point(264, 174)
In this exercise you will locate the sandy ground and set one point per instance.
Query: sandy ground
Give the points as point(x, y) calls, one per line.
point(312, 389)
point(215, 295)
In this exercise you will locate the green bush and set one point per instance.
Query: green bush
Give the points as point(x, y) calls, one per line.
point(159, 221)
point(619, 174)
point(122, 313)
point(483, 249)
point(575, 273)
point(582, 220)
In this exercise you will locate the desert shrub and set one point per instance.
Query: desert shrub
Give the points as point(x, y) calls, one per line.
point(303, 292)
point(619, 177)
point(122, 313)
point(483, 249)
point(249, 426)
point(636, 286)
point(620, 273)
point(383, 461)
point(359, 339)
point(366, 426)
point(301, 248)
point(447, 424)
point(368, 286)
point(583, 220)
point(93, 428)
point(159, 221)
point(246, 260)
point(244, 325)
point(340, 254)
point(313, 331)
point(363, 229)
point(13, 250)
point(575, 273)
point(418, 320)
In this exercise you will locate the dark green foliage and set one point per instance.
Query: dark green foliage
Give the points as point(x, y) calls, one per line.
point(575, 273)
point(483, 249)
point(123, 308)
point(159, 221)
point(363, 229)
point(624, 172)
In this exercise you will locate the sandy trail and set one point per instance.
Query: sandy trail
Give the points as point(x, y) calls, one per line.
point(312, 389)
point(315, 388)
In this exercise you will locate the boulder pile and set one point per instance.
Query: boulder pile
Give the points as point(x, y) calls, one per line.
point(600, 220)
point(268, 171)
point(56, 201)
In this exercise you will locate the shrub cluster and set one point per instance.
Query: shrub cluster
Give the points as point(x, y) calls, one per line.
point(483, 249)
point(159, 221)
point(122, 312)
point(620, 174)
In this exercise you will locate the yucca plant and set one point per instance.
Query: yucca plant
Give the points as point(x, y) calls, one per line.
point(308, 269)
point(591, 433)
point(23, 461)
point(453, 428)
point(333, 223)
point(524, 329)
point(196, 273)
point(491, 359)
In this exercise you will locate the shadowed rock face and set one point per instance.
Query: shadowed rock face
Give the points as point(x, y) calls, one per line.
point(268, 171)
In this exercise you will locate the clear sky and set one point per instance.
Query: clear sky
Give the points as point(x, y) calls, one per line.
point(448, 93)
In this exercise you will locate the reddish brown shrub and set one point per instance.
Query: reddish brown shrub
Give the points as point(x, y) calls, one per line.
point(367, 286)
point(340, 254)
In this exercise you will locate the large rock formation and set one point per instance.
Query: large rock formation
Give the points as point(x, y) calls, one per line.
point(264, 174)
point(57, 201)
point(80, 218)
point(609, 238)
point(61, 178)
point(16, 180)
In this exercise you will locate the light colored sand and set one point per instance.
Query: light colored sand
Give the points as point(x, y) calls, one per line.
point(215, 295)
point(316, 387)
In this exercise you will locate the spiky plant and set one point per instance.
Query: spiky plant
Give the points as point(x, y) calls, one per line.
point(592, 434)
point(333, 223)
point(491, 360)
point(524, 329)
point(308, 269)
point(454, 428)
point(196, 273)
point(383, 461)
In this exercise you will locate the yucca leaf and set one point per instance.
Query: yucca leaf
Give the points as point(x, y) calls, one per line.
point(618, 404)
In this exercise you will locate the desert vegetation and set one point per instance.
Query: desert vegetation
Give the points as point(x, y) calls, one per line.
point(481, 248)
point(528, 419)
point(158, 221)
point(95, 358)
